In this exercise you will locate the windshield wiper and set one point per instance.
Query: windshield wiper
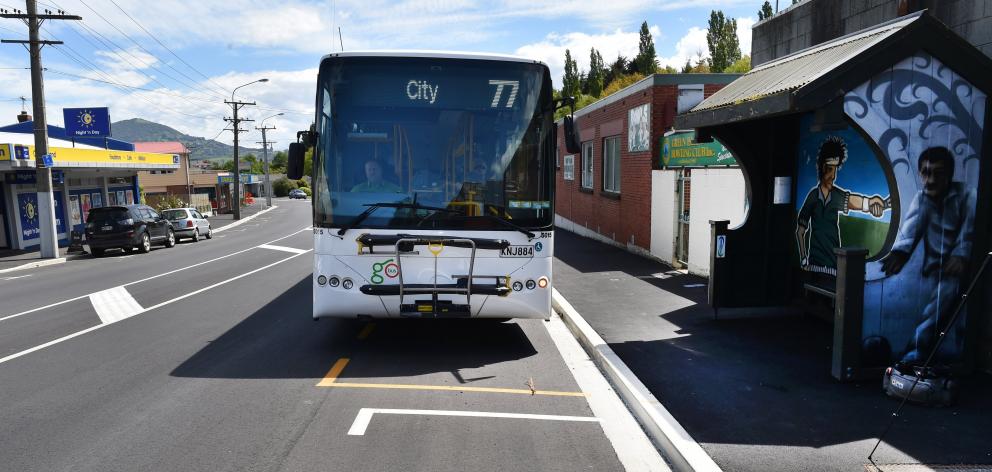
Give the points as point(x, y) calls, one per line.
point(507, 223)
point(372, 207)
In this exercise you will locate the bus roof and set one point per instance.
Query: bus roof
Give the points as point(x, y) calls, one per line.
point(435, 54)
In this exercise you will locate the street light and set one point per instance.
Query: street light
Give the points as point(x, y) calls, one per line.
point(265, 161)
point(237, 162)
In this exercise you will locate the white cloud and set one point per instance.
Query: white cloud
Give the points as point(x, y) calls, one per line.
point(744, 34)
point(610, 45)
point(692, 46)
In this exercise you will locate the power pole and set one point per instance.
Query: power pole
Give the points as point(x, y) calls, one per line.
point(49, 245)
point(235, 127)
point(265, 163)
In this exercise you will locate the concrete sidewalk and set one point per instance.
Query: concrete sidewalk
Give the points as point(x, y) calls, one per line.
point(755, 393)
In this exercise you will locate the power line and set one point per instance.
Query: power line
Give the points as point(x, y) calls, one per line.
point(143, 49)
point(149, 33)
point(118, 84)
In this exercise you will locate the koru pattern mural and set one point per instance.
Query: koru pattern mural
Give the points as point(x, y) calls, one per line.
point(927, 122)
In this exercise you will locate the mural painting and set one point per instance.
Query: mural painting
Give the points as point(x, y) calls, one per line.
point(928, 123)
point(842, 197)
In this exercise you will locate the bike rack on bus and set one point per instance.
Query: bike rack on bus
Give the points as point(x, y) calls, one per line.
point(403, 243)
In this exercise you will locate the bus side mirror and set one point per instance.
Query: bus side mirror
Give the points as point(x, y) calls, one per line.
point(572, 144)
point(294, 164)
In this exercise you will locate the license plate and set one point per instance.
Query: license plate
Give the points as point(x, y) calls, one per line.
point(107, 228)
point(517, 251)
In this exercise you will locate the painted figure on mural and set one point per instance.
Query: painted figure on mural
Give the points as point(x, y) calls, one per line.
point(817, 227)
point(941, 216)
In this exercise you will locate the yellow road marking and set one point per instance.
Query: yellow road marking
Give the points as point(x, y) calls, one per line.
point(333, 374)
point(366, 331)
point(451, 388)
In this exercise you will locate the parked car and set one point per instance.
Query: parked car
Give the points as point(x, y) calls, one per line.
point(188, 223)
point(297, 193)
point(127, 227)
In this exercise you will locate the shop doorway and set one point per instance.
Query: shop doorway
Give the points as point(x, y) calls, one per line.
point(682, 187)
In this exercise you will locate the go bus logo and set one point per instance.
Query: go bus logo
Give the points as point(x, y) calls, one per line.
point(387, 267)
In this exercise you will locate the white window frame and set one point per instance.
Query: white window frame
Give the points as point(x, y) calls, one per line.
point(587, 164)
point(569, 167)
point(611, 164)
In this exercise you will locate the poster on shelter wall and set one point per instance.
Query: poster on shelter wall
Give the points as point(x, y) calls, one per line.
point(842, 197)
point(639, 128)
point(121, 199)
point(928, 121)
point(130, 196)
point(96, 199)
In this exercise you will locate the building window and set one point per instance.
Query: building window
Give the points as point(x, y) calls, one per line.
point(569, 167)
point(587, 159)
point(611, 164)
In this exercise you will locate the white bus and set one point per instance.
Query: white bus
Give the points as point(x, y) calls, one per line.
point(433, 185)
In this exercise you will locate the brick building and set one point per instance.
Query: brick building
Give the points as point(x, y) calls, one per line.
point(606, 192)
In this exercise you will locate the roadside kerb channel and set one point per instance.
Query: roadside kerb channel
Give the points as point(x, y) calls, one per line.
point(684, 453)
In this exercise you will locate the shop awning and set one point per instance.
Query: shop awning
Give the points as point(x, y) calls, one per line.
point(812, 78)
point(18, 156)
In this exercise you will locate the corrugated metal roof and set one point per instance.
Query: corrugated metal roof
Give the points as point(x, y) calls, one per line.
point(796, 70)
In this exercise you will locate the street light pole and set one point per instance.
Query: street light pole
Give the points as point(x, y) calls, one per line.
point(265, 162)
point(235, 127)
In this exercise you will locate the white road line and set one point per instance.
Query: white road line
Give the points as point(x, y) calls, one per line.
point(114, 304)
point(308, 228)
point(17, 277)
point(181, 297)
point(283, 248)
point(631, 444)
point(365, 416)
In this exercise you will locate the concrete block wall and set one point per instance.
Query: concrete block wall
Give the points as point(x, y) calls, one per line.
point(815, 21)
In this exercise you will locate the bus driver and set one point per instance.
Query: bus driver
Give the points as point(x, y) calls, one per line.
point(374, 182)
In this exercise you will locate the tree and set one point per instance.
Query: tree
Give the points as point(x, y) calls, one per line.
point(721, 37)
point(597, 71)
point(616, 69)
point(621, 82)
point(742, 66)
point(646, 62)
point(668, 70)
point(766, 11)
point(282, 186)
point(687, 68)
point(308, 162)
point(279, 161)
point(570, 82)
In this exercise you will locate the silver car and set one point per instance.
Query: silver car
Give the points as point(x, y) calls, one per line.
point(188, 223)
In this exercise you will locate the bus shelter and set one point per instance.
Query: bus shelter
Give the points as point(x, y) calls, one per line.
point(83, 177)
point(868, 179)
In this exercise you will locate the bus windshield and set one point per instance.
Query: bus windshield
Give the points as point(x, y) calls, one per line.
point(468, 136)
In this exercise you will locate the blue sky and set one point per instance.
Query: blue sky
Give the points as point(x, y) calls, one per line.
point(174, 61)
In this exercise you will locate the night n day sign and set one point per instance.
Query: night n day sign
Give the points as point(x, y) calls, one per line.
point(680, 149)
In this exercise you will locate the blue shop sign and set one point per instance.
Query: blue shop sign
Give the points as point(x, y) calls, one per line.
point(86, 122)
point(29, 177)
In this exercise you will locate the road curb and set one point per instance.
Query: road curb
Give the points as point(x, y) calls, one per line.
point(685, 454)
point(243, 220)
point(38, 263)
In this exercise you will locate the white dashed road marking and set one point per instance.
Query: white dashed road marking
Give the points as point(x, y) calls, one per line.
point(283, 248)
point(115, 304)
point(365, 416)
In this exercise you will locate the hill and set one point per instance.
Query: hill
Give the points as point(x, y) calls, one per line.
point(137, 129)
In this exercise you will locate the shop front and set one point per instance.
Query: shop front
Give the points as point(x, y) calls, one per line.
point(83, 178)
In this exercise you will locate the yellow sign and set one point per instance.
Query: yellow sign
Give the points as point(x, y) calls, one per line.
point(75, 157)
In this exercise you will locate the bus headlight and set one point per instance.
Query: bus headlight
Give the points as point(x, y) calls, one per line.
point(334, 281)
point(542, 282)
point(321, 280)
point(347, 284)
point(531, 284)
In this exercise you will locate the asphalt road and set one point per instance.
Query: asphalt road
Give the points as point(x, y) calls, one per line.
point(205, 357)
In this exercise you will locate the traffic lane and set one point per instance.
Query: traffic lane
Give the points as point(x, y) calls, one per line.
point(497, 364)
point(109, 400)
point(517, 354)
point(81, 277)
point(25, 332)
point(158, 290)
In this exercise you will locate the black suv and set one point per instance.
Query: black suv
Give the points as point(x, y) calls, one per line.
point(127, 227)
